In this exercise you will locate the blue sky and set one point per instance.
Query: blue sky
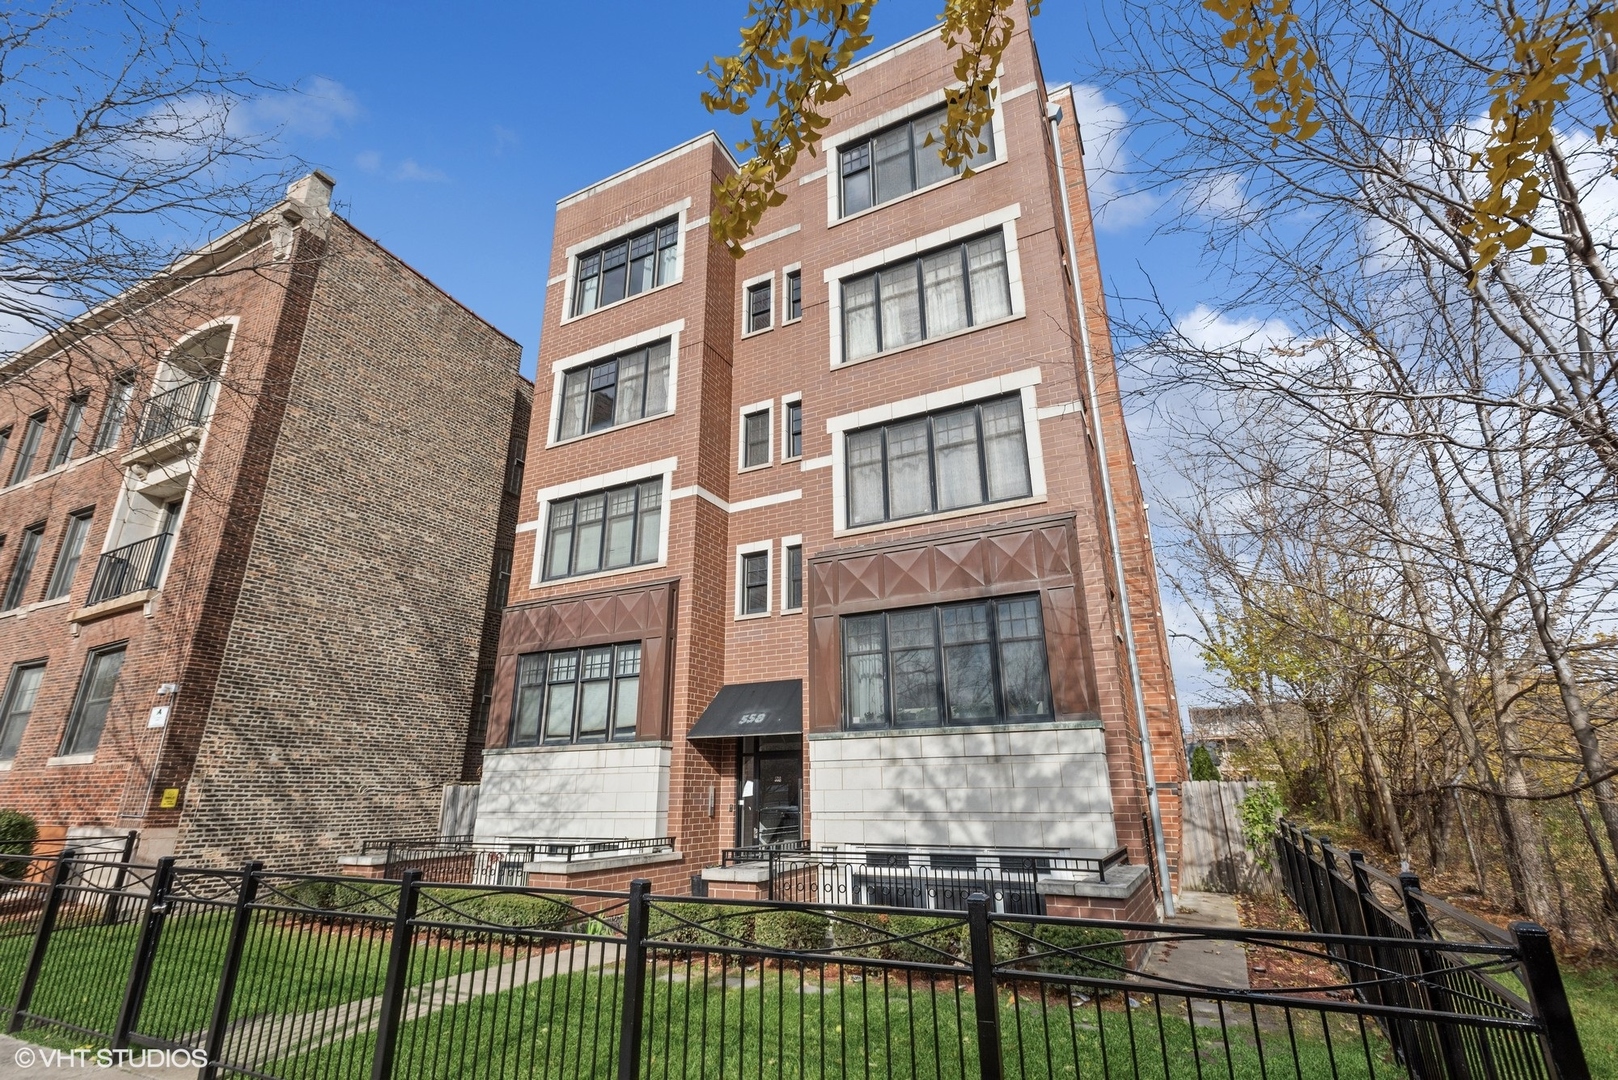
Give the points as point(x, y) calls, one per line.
point(452, 131)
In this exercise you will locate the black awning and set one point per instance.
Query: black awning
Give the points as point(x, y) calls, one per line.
point(747, 710)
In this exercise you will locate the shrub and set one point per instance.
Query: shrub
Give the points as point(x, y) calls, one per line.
point(794, 931)
point(502, 910)
point(931, 940)
point(17, 835)
point(1202, 765)
point(855, 933)
point(700, 924)
point(1097, 952)
point(1259, 811)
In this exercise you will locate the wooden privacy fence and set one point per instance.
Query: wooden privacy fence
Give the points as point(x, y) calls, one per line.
point(1213, 856)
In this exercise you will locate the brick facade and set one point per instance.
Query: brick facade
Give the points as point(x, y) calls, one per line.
point(315, 630)
point(1052, 544)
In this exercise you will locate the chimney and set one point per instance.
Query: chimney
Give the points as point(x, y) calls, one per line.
point(310, 196)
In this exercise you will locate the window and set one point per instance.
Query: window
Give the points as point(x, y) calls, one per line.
point(5, 441)
point(605, 530)
point(93, 700)
point(576, 695)
point(17, 706)
point(72, 420)
point(615, 391)
point(23, 568)
point(755, 583)
point(938, 293)
point(756, 439)
point(759, 303)
point(897, 161)
point(116, 413)
point(794, 430)
point(502, 576)
point(514, 469)
point(626, 267)
point(30, 446)
point(974, 663)
point(792, 590)
point(67, 559)
point(794, 291)
point(942, 461)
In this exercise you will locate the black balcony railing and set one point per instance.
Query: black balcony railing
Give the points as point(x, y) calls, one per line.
point(174, 410)
point(498, 862)
point(129, 569)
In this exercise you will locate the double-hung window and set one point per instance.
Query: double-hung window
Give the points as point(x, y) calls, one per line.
point(615, 391)
point(794, 296)
point(93, 701)
point(116, 413)
point(604, 530)
point(17, 706)
point(756, 439)
point(981, 662)
point(760, 302)
point(5, 441)
point(72, 421)
point(940, 292)
point(67, 559)
point(23, 568)
point(897, 160)
point(626, 267)
point(755, 583)
point(792, 575)
point(937, 462)
point(29, 448)
point(577, 695)
point(793, 430)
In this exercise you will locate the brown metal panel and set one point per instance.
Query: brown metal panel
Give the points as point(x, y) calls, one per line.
point(1012, 558)
point(825, 689)
point(1068, 648)
point(960, 566)
point(907, 575)
point(822, 585)
point(651, 720)
point(1054, 544)
point(859, 579)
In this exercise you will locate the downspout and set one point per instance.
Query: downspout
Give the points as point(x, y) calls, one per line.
point(1053, 113)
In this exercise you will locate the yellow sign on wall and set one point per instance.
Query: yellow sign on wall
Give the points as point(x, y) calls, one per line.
point(171, 798)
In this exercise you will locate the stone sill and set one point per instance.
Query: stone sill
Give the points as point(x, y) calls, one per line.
point(962, 729)
point(1122, 882)
point(560, 748)
point(72, 759)
point(362, 860)
point(747, 873)
point(127, 602)
point(610, 862)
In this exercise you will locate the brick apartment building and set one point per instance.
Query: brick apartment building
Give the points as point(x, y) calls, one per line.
point(813, 546)
point(251, 548)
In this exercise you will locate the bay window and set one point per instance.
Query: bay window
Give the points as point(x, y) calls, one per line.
point(576, 695)
point(981, 662)
point(604, 530)
point(935, 462)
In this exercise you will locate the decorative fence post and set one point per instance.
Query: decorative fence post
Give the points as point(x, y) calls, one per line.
point(42, 938)
point(984, 995)
point(393, 988)
point(1432, 969)
point(140, 971)
point(1559, 1038)
point(115, 897)
point(632, 1019)
point(241, 921)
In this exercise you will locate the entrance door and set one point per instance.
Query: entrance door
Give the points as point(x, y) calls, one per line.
point(768, 784)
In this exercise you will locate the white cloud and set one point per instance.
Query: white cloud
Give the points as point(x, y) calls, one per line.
point(1221, 195)
point(408, 170)
point(1208, 329)
point(1103, 126)
point(368, 161)
point(315, 109)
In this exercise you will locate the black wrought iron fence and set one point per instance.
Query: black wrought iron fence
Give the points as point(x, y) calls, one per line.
point(1338, 892)
point(258, 974)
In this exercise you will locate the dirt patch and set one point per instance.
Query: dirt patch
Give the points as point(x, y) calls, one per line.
point(1270, 968)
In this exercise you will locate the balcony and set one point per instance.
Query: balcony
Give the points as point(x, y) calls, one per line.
point(129, 570)
point(171, 420)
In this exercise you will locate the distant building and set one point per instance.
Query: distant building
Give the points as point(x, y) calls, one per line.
point(813, 548)
point(1222, 729)
point(255, 522)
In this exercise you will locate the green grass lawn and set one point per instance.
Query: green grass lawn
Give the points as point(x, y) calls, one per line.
point(1593, 993)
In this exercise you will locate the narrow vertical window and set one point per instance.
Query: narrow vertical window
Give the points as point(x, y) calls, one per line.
point(794, 429)
point(793, 592)
point(29, 448)
point(529, 699)
point(68, 437)
point(626, 691)
point(23, 568)
point(115, 414)
point(17, 706)
point(755, 583)
point(5, 441)
point(756, 439)
point(794, 298)
point(67, 559)
point(759, 305)
point(93, 701)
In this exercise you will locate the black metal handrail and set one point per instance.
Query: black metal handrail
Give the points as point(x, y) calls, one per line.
point(174, 410)
point(499, 861)
point(129, 569)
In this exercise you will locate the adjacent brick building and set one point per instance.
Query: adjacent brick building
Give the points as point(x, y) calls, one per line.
point(256, 518)
point(813, 544)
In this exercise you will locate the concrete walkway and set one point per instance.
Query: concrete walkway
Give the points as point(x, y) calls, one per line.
point(1202, 962)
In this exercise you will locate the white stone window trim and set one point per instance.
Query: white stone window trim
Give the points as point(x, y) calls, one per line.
point(766, 547)
point(560, 368)
point(71, 759)
point(796, 397)
point(1004, 218)
point(747, 287)
point(786, 272)
point(545, 496)
point(832, 144)
point(765, 406)
point(788, 542)
point(571, 278)
point(1021, 382)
